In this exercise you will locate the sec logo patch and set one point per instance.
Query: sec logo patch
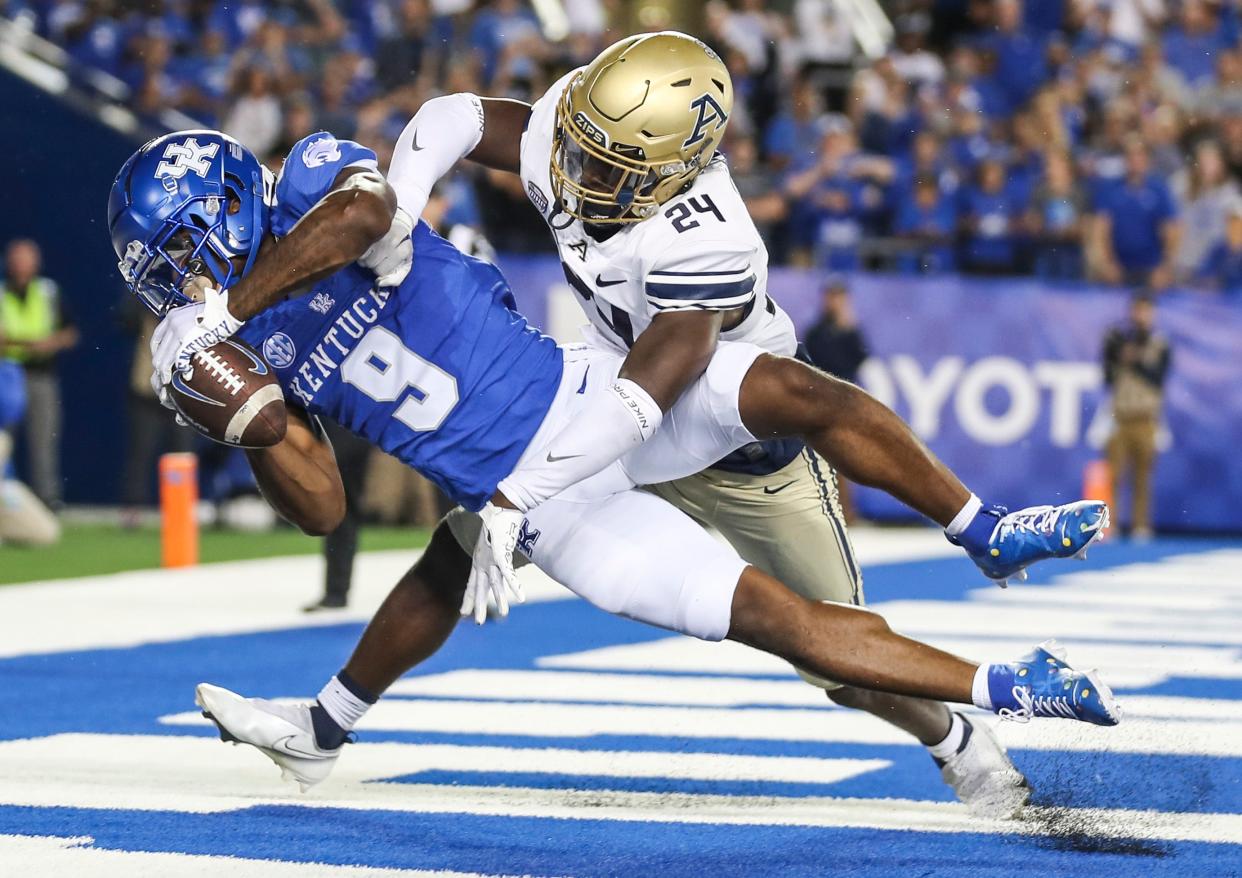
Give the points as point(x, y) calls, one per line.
point(279, 350)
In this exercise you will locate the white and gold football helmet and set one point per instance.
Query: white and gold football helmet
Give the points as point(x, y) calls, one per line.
point(636, 125)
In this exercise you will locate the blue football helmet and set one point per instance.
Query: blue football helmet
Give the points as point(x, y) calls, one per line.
point(188, 204)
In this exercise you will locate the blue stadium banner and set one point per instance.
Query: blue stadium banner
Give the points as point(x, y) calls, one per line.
point(1002, 378)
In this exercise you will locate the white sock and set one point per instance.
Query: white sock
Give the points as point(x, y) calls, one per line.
point(343, 706)
point(964, 516)
point(952, 741)
point(979, 692)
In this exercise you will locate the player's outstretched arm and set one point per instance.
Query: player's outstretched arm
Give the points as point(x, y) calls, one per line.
point(299, 476)
point(447, 129)
point(336, 232)
point(666, 358)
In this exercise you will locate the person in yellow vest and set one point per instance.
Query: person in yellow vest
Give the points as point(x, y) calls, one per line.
point(34, 328)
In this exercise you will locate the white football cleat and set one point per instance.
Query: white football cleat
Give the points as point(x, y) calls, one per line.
point(983, 777)
point(282, 732)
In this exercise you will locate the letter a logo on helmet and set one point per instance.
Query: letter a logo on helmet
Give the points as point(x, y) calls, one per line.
point(709, 112)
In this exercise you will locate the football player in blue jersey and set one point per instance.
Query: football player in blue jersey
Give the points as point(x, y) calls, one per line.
point(376, 322)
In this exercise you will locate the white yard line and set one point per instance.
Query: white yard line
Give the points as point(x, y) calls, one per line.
point(198, 775)
point(567, 720)
point(160, 606)
point(41, 855)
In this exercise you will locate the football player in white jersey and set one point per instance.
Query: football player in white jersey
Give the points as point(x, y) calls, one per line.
point(620, 157)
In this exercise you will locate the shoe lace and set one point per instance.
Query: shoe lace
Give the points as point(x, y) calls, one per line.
point(1036, 520)
point(1030, 705)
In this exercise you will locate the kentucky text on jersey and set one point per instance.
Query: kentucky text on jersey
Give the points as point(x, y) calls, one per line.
point(352, 322)
point(441, 372)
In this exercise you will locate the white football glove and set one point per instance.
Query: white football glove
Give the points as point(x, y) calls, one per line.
point(492, 572)
point(392, 255)
point(187, 330)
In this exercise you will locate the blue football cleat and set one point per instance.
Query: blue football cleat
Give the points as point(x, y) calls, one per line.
point(1043, 684)
point(1021, 538)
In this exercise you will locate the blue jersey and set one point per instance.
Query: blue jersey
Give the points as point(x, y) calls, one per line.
point(440, 372)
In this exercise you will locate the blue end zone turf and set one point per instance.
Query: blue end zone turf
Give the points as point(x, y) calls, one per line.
point(125, 692)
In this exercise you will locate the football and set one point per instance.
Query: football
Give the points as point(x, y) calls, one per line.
point(231, 396)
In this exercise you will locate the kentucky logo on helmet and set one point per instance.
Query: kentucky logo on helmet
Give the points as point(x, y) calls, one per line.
point(186, 156)
point(709, 112)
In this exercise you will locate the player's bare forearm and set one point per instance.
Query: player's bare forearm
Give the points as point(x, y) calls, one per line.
point(861, 437)
point(504, 121)
point(672, 353)
point(337, 231)
point(299, 477)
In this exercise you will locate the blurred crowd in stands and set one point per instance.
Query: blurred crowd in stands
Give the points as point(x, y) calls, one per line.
point(1073, 140)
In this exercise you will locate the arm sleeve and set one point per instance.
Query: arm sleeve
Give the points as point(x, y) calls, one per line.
point(701, 276)
point(444, 130)
point(613, 421)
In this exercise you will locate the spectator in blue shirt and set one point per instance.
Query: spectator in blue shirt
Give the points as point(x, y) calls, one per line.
point(1222, 269)
point(1057, 220)
point(204, 77)
point(501, 29)
point(1021, 67)
point(832, 197)
point(926, 220)
point(793, 134)
point(970, 143)
point(1136, 225)
point(838, 205)
point(237, 19)
point(1193, 45)
point(991, 221)
point(95, 37)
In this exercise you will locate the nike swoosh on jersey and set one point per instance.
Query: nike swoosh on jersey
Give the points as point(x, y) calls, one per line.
point(600, 282)
point(552, 458)
point(770, 490)
point(414, 144)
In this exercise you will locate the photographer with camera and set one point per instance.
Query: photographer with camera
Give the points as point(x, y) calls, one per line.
point(1136, 363)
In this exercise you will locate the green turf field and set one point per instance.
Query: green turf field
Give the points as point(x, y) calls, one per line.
point(86, 550)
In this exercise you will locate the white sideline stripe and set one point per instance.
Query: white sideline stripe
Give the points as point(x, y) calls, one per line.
point(1203, 738)
point(1115, 622)
point(161, 606)
point(618, 688)
point(687, 691)
point(1124, 665)
point(105, 761)
point(198, 775)
point(50, 855)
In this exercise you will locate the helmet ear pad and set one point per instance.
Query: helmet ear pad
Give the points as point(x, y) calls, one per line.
point(669, 187)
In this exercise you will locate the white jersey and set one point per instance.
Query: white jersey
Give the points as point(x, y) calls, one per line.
point(700, 252)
